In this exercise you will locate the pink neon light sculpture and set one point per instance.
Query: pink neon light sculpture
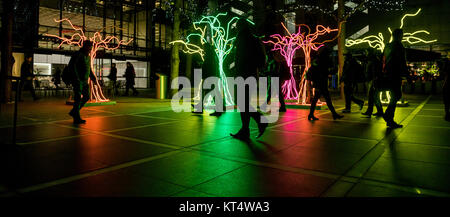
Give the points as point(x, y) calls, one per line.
point(287, 46)
point(97, 42)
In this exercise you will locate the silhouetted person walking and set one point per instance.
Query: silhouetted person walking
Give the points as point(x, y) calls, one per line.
point(80, 67)
point(444, 68)
point(113, 78)
point(130, 75)
point(249, 57)
point(318, 74)
point(57, 77)
point(27, 77)
point(372, 70)
point(350, 77)
point(394, 67)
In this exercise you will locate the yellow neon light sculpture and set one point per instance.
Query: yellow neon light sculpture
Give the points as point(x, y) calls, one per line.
point(377, 41)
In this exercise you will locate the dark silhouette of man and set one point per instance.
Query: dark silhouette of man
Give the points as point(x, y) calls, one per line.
point(372, 70)
point(57, 77)
point(444, 69)
point(394, 67)
point(350, 77)
point(113, 78)
point(130, 75)
point(82, 72)
point(27, 77)
point(249, 57)
point(318, 74)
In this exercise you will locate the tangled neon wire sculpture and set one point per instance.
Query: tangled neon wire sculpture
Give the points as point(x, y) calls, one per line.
point(211, 27)
point(288, 44)
point(98, 42)
point(377, 41)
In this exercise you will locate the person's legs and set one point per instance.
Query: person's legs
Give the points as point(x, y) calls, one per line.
point(446, 96)
point(348, 90)
point(244, 132)
point(135, 92)
point(127, 88)
point(326, 95)
point(254, 113)
point(281, 97)
point(21, 88)
point(390, 111)
point(360, 102)
point(75, 112)
point(31, 87)
point(313, 105)
point(377, 102)
point(86, 95)
point(370, 99)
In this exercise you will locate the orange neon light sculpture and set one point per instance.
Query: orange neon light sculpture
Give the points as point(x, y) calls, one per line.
point(98, 42)
point(287, 46)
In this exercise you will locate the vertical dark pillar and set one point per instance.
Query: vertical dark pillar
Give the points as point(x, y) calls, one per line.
point(60, 17)
point(84, 15)
point(135, 28)
point(104, 18)
point(149, 39)
point(6, 51)
point(121, 24)
point(114, 23)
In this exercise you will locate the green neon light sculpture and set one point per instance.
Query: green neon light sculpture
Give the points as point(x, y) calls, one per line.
point(219, 35)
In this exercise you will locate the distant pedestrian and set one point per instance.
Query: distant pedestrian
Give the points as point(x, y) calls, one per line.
point(250, 57)
point(130, 75)
point(80, 69)
point(113, 78)
point(318, 73)
point(350, 79)
point(444, 69)
point(57, 77)
point(27, 77)
point(372, 69)
point(394, 67)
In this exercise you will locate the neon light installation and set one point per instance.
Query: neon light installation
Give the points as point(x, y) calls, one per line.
point(98, 42)
point(211, 27)
point(287, 46)
point(377, 41)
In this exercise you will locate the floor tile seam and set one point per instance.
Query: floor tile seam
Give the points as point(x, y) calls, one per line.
point(96, 172)
point(53, 139)
point(121, 137)
point(429, 126)
point(323, 135)
point(138, 127)
point(422, 144)
point(416, 161)
point(404, 188)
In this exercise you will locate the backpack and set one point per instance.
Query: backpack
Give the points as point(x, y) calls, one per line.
point(68, 74)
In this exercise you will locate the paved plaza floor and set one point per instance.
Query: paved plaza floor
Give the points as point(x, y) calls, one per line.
point(140, 147)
